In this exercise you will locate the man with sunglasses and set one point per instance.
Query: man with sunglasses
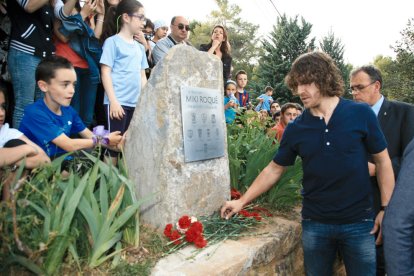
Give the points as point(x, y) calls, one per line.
point(396, 120)
point(179, 33)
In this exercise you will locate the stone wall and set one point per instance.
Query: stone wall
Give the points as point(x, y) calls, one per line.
point(275, 249)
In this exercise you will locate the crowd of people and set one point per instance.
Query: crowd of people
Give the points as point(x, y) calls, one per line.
point(74, 66)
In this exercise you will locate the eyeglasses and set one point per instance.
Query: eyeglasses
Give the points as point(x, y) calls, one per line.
point(139, 16)
point(359, 88)
point(182, 26)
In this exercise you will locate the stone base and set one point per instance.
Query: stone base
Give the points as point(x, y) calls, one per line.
point(275, 250)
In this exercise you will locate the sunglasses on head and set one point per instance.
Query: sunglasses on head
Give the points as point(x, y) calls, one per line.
point(182, 26)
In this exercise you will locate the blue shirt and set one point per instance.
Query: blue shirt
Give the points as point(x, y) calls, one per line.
point(126, 61)
point(377, 106)
point(42, 126)
point(336, 182)
point(230, 113)
point(265, 105)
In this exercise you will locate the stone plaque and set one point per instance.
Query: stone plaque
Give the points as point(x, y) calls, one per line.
point(202, 115)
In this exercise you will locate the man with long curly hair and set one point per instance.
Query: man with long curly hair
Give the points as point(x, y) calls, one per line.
point(333, 137)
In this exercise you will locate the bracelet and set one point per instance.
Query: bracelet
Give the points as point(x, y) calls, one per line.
point(94, 140)
point(383, 207)
point(100, 135)
point(99, 20)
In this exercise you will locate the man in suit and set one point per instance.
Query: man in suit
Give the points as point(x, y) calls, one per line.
point(398, 223)
point(397, 123)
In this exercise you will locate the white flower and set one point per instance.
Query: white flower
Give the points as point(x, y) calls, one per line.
point(193, 219)
point(179, 229)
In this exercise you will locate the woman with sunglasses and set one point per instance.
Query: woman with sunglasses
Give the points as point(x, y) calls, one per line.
point(220, 46)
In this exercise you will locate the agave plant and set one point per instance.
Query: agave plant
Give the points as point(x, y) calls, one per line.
point(100, 202)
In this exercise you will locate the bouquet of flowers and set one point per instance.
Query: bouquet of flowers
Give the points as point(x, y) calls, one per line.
point(212, 229)
point(187, 229)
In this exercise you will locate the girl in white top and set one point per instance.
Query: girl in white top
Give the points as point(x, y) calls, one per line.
point(35, 156)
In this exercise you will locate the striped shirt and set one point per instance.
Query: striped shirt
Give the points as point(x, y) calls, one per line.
point(31, 33)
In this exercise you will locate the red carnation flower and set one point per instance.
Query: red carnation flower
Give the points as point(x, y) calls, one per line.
point(198, 226)
point(184, 222)
point(256, 216)
point(200, 242)
point(234, 194)
point(175, 236)
point(245, 213)
point(167, 230)
point(263, 210)
point(191, 235)
point(195, 230)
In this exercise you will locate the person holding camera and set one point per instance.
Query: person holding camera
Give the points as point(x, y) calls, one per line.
point(230, 101)
point(144, 37)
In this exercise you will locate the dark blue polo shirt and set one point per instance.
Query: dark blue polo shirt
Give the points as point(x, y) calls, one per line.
point(336, 183)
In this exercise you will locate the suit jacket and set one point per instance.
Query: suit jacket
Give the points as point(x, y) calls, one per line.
point(397, 123)
point(398, 223)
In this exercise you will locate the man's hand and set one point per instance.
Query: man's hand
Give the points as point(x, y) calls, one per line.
point(377, 227)
point(230, 208)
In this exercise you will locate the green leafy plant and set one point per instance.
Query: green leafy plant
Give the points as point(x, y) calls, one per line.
point(98, 200)
point(250, 149)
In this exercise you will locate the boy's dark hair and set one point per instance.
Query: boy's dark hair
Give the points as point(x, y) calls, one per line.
point(286, 106)
point(299, 107)
point(149, 23)
point(47, 68)
point(373, 73)
point(318, 68)
point(269, 88)
point(240, 72)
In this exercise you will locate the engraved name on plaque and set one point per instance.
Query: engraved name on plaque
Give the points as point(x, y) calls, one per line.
point(202, 115)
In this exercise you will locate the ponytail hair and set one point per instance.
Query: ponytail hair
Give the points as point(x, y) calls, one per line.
point(113, 17)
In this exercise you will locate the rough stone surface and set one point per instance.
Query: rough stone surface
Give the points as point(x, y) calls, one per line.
point(155, 151)
point(275, 250)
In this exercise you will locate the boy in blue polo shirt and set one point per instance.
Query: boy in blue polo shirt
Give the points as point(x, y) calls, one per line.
point(333, 137)
point(49, 122)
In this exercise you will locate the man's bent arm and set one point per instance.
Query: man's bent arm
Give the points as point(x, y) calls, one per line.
point(385, 176)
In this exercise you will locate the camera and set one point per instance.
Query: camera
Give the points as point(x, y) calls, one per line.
point(148, 36)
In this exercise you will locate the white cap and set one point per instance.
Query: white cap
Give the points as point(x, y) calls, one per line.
point(158, 24)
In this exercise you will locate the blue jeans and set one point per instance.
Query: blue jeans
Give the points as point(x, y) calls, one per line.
point(322, 243)
point(22, 68)
point(83, 100)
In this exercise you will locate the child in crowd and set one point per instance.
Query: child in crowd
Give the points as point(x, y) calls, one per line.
point(50, 121)
point(241, 94)
point(76, 39)
point(123, 65)
point(265, 100)
point(14, 146)
point(288, 114)
point(230, 101)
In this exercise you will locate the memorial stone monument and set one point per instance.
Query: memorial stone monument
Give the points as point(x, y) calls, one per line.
point(176, 146)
